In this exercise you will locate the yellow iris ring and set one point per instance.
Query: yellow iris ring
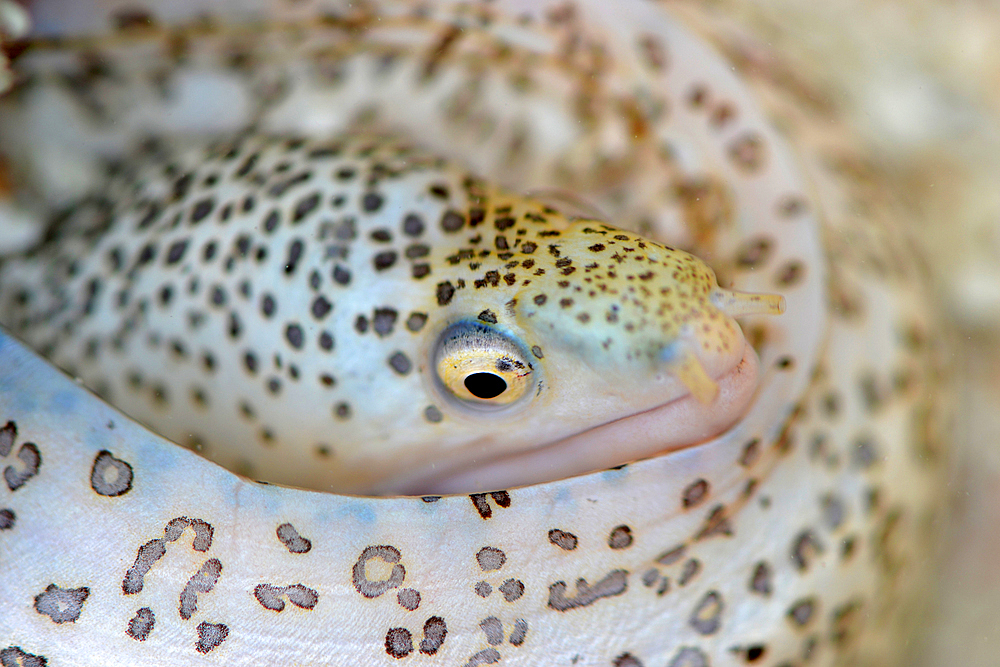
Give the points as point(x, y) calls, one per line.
point(470, 360)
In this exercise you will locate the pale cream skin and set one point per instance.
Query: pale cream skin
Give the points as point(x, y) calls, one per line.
point(770, 536)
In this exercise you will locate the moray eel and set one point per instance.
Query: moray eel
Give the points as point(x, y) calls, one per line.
point(428, 407)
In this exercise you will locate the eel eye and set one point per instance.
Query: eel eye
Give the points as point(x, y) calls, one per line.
point(482, 367)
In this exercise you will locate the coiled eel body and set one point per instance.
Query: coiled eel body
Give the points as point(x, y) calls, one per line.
point(381, 250)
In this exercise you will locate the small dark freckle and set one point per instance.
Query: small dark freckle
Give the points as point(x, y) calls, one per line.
point(261, 254)
point(202, 210)
point(294, 254)
point(445, 292)
point(440, 191)
point(384, 320)
point(145, 255)
point(341, 275)
point(417, 250)
point(432, 414)
point(583, 317)
point(235, 327)
point(208, 253)
point(361, 324)
point(381, 235)
point(421, 270)
point(250, 361)
point(166, 294)
point(218, 296)
point(694, 493)
point(326, 341)
point(176, 251)
point(160, 395)
point(416, 321)
point(790, 274)
point(327, 380)
point(371, 202)
point(293, 333)
point(540, 299)
point(342, 411)
point(537, 351)
point(488, 316)
point(274, 385)
point(413, 225)
point(400, 363)
point(248, 203)
point(305, 206)
point(271, 221)
point(267, 305)
point(242, 245)
point(321, 307)
point(452, 221)
point(384, 260)
point(565, 303)
point(345, 173)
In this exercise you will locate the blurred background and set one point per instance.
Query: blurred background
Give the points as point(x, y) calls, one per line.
point(920, 80)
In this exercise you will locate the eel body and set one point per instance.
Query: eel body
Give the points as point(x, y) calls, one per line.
point(440, 249)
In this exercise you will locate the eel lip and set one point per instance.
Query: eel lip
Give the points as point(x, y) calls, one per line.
point(678, 424)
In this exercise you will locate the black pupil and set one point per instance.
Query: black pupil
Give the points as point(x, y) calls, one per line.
point(485, 385)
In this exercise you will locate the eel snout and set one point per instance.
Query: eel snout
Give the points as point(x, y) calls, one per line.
point(684, 422)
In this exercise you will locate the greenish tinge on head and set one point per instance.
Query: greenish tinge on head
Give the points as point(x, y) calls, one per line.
point(357, 310)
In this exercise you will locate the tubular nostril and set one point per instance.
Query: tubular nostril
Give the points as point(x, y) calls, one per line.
point(735, 304)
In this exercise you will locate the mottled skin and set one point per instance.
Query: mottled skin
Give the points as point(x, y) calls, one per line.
point(322, 274)
point(792, 537)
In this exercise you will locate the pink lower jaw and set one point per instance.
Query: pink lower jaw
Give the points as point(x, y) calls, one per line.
point(667, 428)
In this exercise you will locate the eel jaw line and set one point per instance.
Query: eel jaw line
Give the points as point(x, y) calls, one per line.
point(678, 424)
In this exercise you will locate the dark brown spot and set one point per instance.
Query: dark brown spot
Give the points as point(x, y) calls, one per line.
point(706, 618)
point(445, 291)
point(620, 537)
point(371, 202)
point(400, 363)
point(452, 221)
point(490, 559)
point(293, 333)
point(384, 260)
point(694, 494)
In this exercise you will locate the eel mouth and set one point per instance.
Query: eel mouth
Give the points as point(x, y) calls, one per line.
point(678, 424)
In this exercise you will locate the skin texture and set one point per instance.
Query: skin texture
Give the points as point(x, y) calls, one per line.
point(789, 536)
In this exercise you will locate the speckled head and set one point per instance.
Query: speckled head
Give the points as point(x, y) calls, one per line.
point(496, 334)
